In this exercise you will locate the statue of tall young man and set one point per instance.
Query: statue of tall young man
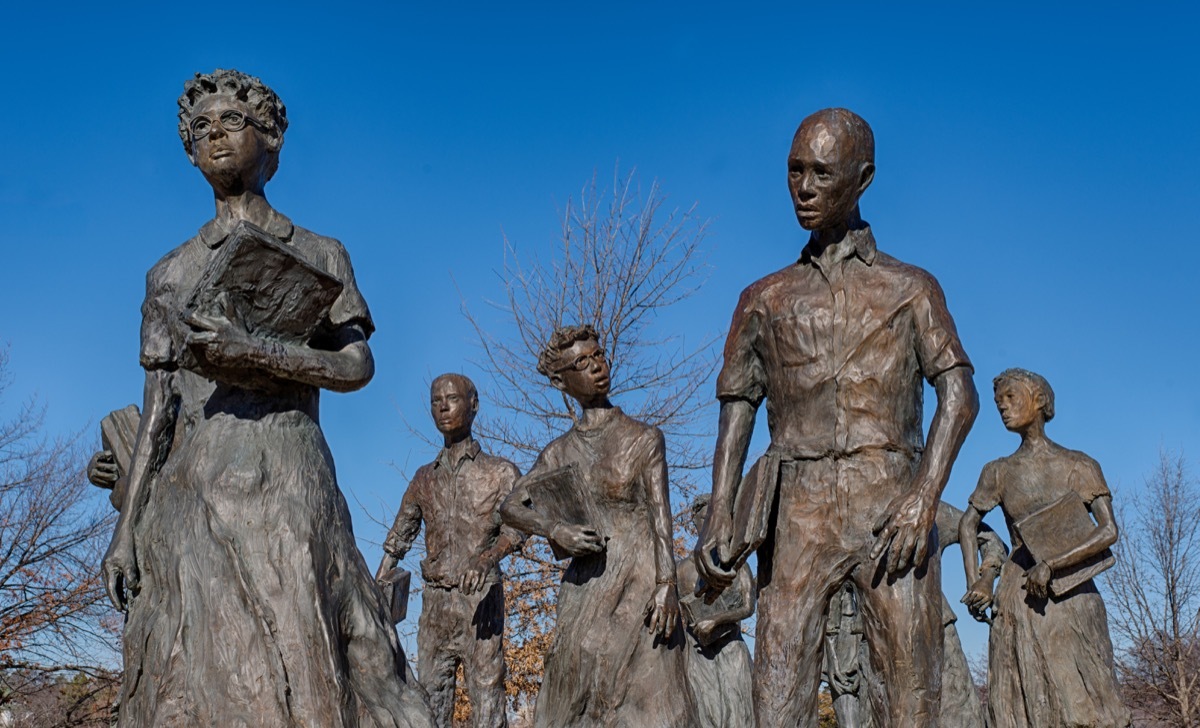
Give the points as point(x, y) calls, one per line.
point(838, 344)
point(458, 496)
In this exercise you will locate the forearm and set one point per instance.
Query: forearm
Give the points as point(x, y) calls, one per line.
point(342, 370)
point(968, 533)
point(957, 406)
point(1103, 537)
point(149, 450)
point(733, 442)
point(658, 500)
point(516, 512)
point(506, 544)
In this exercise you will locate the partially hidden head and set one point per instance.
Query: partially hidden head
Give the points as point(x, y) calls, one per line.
point(212, 103)
point(453, 404)
point(576, 364)
point(1023, 397)
point(830, 165)
point(700, 510)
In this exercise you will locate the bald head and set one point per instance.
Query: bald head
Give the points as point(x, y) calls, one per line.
point(831, 163)
point(843, 127)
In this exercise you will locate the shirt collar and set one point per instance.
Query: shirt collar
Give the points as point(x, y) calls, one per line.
point(858, 241)
point(453, 456)
point(217, 229)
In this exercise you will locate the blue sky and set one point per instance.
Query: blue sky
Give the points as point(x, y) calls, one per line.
point(1040, 162)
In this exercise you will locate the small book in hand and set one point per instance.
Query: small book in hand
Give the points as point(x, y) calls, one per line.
point(118, 434)
point(395, 586)
point(1057, 528)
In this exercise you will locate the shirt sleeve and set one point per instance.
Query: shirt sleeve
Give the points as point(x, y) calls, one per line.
point(938, 345)
point(1087, 480)
point(159, 350)
point(987, 493)
point(515, 537)
point(350, 307)
point(743, 376)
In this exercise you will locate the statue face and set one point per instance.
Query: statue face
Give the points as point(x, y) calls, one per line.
point(824, 176)
point(231, 161)
point(585, 373)
point(451, 406)
point(1018, 405)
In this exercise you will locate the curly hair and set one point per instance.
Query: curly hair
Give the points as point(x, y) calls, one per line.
point(1036, 383)
point(562, 339)
point(266, 104)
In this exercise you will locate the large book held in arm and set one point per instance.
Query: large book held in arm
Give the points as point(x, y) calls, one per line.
point(1057, 528)
point(267, 286)
point(561, 496)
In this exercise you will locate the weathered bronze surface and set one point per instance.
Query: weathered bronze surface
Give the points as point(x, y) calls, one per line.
point(458, 497)
point(838, 344)
point(618, 652)
point(1050, 658)
point(248, 602)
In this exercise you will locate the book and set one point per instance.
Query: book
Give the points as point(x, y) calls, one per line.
point(561, 496)
point(395, 586)
point(1057, 528)
point(269, 285)
point(118, 435)
point(752, 508)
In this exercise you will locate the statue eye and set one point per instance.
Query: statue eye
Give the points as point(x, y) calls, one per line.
point(201, 126)
point(233, 120)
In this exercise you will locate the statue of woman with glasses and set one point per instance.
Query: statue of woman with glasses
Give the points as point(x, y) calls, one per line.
point(618, 652)
point(248, 602)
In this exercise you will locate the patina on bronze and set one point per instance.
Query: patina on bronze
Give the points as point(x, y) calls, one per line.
point(852, 684)
point(838, 345)
point(1050, 658)
point(248, 602)
point(458, 497)
point(719, 664)
point(618, 652)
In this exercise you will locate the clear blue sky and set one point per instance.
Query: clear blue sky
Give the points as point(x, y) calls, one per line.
point(1041, 163)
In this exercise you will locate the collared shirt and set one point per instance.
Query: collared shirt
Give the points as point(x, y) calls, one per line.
point(837, 344)
point(458, 497)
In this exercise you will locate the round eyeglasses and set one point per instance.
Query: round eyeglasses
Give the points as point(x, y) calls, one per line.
point(230, 120)
point(584, 361)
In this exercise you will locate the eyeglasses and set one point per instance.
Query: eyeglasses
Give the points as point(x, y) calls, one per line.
point(584, 361)
point(230, 120)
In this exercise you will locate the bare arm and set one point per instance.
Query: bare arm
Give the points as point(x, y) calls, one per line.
point(1101, 538)
point(402, 534)
point(149, 451)
point(663, 607)
point(733, 442)
point(904, 531)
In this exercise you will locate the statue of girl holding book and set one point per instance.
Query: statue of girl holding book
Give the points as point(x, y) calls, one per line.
point(248, 602)
point(1050, 659)
point(599, 494)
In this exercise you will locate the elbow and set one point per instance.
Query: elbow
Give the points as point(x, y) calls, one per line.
point(357, 371)
point(1109, 533)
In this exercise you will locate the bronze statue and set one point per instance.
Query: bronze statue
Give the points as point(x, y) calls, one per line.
point(458, 498)
point(718, 665)
point(599, 494)
point(852, 684)
point(838, 344)
point(248, 600)
point(1050, 659)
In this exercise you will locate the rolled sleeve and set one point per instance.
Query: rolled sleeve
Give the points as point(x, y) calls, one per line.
point(938, 346)
point(743, 376)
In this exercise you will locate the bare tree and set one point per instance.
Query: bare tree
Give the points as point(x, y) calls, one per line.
point(622, 259)
point(57, 632)
point(1154, 598)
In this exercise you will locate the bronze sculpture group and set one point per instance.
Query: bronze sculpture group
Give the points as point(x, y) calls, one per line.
point(248, 603)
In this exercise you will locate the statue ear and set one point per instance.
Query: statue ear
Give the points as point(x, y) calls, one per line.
point(557, 382)
point(866, 175)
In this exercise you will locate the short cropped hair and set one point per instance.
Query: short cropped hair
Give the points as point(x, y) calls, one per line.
point(1036, 383)
point(267, 107)
point(463, 381)
point(850, 124)
point(562, 339)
